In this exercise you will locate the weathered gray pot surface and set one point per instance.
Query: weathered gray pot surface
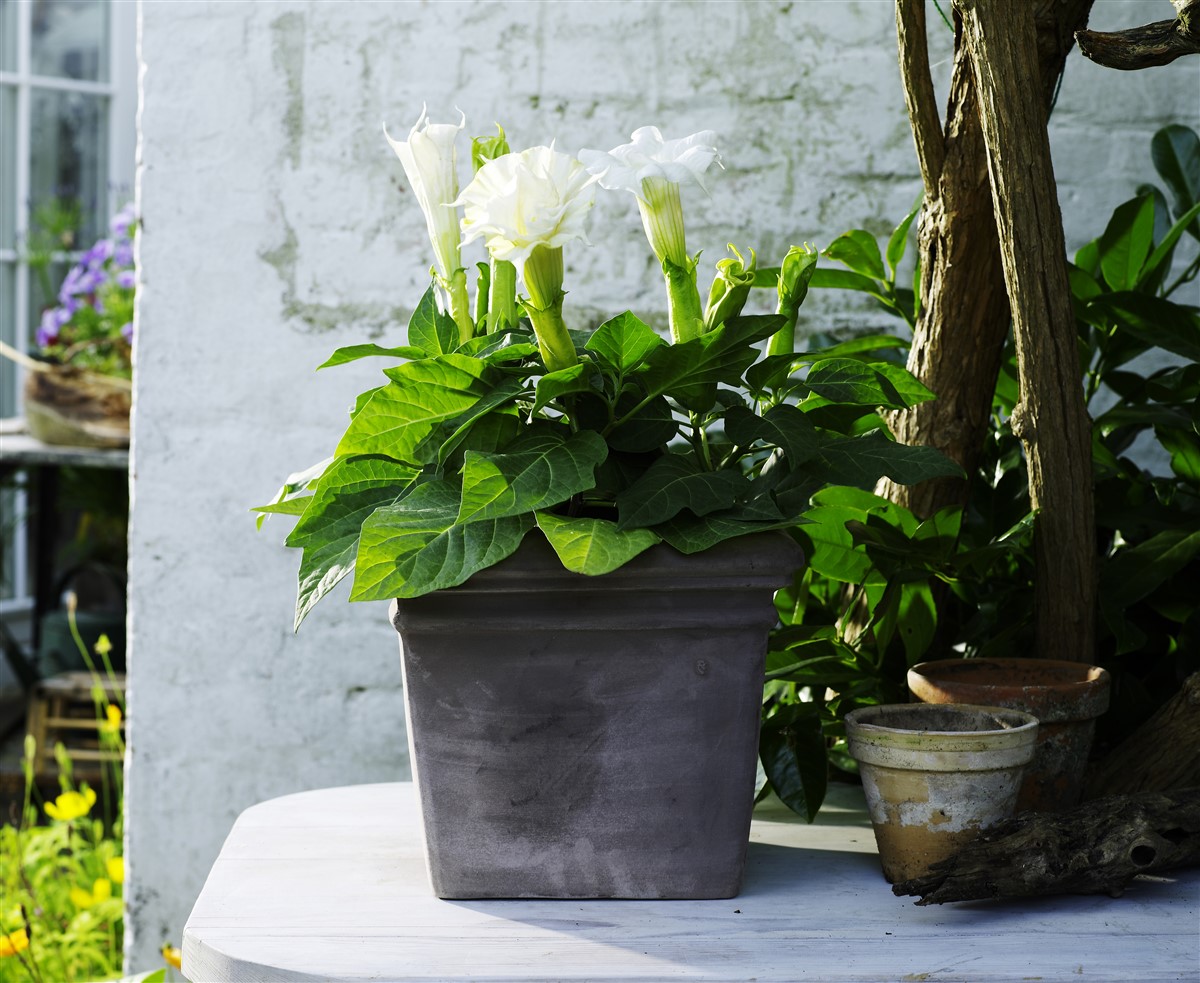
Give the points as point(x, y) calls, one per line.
point(935, 776)
point(1066, 697)
point(592, 737)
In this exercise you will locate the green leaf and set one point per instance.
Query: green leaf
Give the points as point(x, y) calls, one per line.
point(352, 352)
point(511, 346)
point(834, 553)
point(1154, 321)
point(651, 427)
point(1126, 242)
point(864, 460)
point(784, 426)
point(417, 546)
point(1137, 571)
point(582, 377)
point(622, 343)
point(1163, 251)
point(593, 546)
point(447, 437)
point(792, 748)
point(537, 472)
point(916, 620)
point(420, 395)
point(348, 493)
point(847, 380)
point(689, 372)
point(858, 250)
point(430, 329)
point(694, 534)
point(1175, 151)
point(288, 506)
point(672, 484)
point(1184, 450)
point(828, 279)
point(898, 242)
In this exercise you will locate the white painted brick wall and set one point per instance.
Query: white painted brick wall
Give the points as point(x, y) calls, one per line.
point(277, 228)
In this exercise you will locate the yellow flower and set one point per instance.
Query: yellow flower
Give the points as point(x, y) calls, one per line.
point(101, 891)
point(103, 646)
point(172, 956)
point(112, 722)
point(116, 869)
point(13, 942)
point(71, 805)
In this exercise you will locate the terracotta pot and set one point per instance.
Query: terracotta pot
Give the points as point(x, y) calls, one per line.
point(1066, 697)
point(592, 737)
point(937, 776)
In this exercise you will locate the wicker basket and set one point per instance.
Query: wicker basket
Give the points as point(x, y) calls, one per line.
point(66, 405)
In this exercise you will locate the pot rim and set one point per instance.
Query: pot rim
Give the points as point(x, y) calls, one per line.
point(1060, 691)
point(929, 749)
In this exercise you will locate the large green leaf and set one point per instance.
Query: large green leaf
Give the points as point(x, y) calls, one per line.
point(535, 473)
point(864, 460)
point(416, 546)
point(430, 329)
point(1175, 151)
point(420, 395)
point(623, 342)
point(593, 546)
point(450, 435)
point(847, 380)
point(1184, 449)
point(689, 372)
point(834, 554)
point(858, 250)
point(582, 377)
point(1138, 571)
point(1154, 321)
point(651, 427)
point(792, 749)
point(672, 484)
point(693, 534)
point(352, 352)
point(347, 494)
point(1164, 250)
point(1126, 242)
point(783, 426)
point(498, 348)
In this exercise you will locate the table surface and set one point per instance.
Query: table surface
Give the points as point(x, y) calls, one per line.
point(331, 885)
point(18, 448)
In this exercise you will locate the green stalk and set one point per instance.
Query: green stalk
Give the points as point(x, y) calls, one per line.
point(502, 297)
point(460, 305)
point(543, 280)
point(683, 301)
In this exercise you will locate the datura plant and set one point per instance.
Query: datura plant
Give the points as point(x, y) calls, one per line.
point(500, 417)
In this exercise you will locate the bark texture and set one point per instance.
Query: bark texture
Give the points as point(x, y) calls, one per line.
point(1148, 46)
point(1162, 754)
point(963, 321)
point(1050, 418)
point(1096, 848)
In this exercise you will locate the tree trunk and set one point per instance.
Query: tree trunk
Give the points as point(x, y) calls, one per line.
point(1050, 417)
point(1095, 848)
point(1162, 754)
point(963, 321)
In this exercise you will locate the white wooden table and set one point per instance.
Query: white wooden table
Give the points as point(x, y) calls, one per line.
point(331, 885)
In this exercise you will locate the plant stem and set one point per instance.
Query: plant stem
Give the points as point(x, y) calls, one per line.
point(460, 305)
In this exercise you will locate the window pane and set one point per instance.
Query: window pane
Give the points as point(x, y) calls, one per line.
point(8, 167)
point(8, 36)
point(8, 373)
point(70, 39)
point(68, 154)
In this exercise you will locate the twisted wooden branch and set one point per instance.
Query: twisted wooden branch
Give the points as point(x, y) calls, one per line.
point(1148, 46)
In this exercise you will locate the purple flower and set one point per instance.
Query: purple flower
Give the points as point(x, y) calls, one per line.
point(64, 313)
point(123, 253)
point(98, 254)
point(70, 286)
point(126, 279)
point(47, 332)
point(119, 226)
point(127, 331)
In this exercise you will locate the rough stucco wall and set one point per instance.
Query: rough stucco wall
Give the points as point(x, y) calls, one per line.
point(277, 227)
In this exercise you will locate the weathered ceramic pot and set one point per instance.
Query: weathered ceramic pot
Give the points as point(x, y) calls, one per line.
point(592, 737)
point(937, 776)
point(1066, 697)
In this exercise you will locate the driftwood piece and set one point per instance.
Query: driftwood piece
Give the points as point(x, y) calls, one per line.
point(1148, 46)
point(1095, 848)
point(1162, 754)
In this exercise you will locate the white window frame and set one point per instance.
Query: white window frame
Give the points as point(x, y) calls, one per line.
point(121, 92)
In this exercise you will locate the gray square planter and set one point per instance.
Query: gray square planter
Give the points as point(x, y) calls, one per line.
point(592, 737)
